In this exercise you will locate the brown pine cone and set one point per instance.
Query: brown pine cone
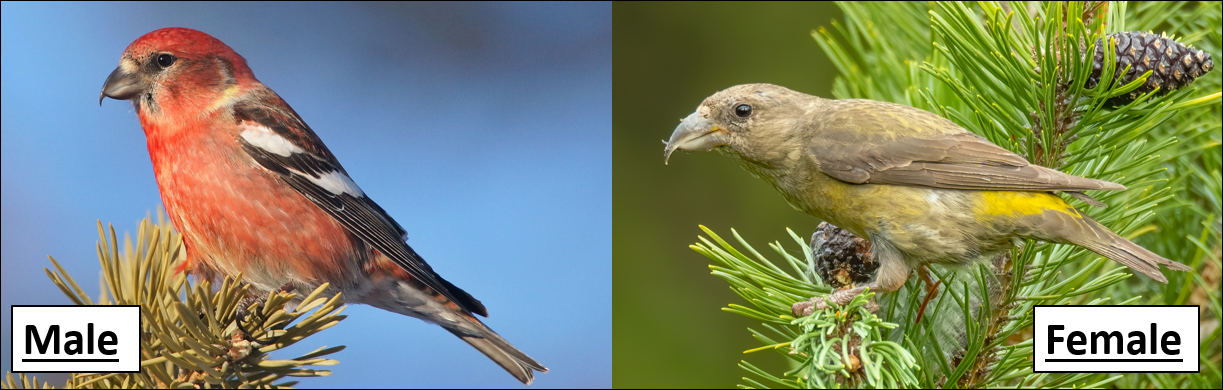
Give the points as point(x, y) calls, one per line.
point(842, 259)
point(1175, 65)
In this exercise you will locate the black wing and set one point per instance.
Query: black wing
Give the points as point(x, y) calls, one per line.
point(319, 177)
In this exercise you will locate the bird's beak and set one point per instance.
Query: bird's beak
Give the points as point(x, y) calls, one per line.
point(695, 134)
point(120, 85)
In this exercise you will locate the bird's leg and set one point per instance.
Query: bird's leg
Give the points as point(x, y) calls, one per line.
point(931, 290)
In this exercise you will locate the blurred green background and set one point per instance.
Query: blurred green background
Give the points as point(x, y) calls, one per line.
point(668, 328)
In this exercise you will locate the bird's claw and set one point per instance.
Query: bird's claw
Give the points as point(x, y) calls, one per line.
point(805, 308)
point(260, 300)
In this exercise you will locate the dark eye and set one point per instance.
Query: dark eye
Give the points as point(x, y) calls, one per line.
point(165, 60)
point(743, 110)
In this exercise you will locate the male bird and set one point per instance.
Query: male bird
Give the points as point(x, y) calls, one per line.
point(254, 191)
point(922, 189)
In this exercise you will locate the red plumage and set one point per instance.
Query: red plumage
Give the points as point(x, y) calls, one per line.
point(253, 190)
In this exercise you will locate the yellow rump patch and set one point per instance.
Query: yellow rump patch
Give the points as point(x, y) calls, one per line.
point(996, 203)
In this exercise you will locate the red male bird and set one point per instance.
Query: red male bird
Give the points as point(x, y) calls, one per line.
point(254, 191)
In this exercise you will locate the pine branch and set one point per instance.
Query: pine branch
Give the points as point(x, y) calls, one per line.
point(191, 335)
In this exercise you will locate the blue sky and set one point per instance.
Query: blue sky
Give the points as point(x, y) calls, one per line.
point(484, 129)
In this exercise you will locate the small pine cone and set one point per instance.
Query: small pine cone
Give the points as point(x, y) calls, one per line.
point(842, 259)
point(1175, 65)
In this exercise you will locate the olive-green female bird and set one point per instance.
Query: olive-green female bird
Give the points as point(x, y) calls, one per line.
point(922, 189)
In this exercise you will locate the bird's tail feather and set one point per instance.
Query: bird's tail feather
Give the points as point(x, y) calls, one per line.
point(501, 351)
point(1099, 239)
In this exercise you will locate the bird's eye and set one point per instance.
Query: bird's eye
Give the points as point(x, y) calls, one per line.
point(165, 60)
point(743, 110)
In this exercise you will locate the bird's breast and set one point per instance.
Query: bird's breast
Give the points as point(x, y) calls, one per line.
point(235, 217)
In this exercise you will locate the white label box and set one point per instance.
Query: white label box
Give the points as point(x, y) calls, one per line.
point(1115, 339)
point(100, 339)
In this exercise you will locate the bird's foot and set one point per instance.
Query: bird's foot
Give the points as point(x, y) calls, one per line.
point(840, 297)
point(244, 311)
point(257, 300)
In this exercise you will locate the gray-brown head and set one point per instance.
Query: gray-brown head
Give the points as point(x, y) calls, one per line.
point(753, 122)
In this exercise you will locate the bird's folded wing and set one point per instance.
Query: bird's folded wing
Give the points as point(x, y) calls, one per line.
point(954, 161)
point(281, 143)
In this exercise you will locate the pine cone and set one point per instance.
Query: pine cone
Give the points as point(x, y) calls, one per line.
point(1174, 64)
point(842, 259)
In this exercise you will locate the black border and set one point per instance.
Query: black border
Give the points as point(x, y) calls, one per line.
point(12, 355)
point(1197, 357)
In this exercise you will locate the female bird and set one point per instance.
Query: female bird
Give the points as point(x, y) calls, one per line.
point(922, 189)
